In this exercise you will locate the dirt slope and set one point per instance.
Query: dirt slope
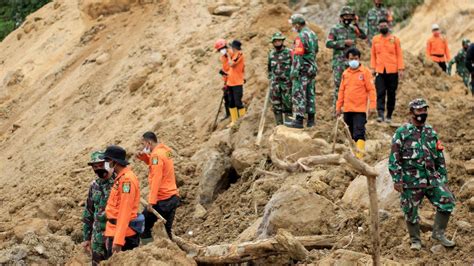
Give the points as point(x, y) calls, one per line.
point(79, 75)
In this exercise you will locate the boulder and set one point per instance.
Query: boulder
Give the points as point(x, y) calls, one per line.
point(102, 58)
point(225, 10)
point(214, 177)
point(243, 158)
point(469, 166)
point(250, 233)
point(356, 194)
point(97, 8)
point(199, 211)
point(285, 209)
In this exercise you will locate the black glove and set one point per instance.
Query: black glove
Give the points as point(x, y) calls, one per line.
point(222, 73)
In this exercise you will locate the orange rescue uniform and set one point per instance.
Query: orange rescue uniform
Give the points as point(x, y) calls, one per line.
point(437, 49)
point(356, 87)
point(122, 206)
point(225, 66)
point(386, 54)
point(161, 177)
point(236, 70)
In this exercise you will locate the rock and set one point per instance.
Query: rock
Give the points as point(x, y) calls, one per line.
point(467, 190)
point(315, 184)
point(243, 158)
point(225, 10)
point(470, 204)
point(96, 8)
point(39, 249)
point(356, 194)
point(214, 178)
point(199, 211)
point(138, 80)
point(464, 226)
point(35, 225)
point(285, 208)
point(438, 249)
point(13, 78)
point(469, 166)
point(102, 58)
point(250, 233)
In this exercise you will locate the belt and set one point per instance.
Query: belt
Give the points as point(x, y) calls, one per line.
point(438, 55)
point(112, 221)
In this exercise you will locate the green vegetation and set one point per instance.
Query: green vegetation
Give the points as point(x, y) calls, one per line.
point(401, 9)
point(14, 12)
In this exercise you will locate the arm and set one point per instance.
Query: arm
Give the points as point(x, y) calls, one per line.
point(395, 159)
point(156, 173)
point(269, 67)
point(316, 45)
point(373, 56)
point(332, 43)
point(125, 210)
point(340, 95)
point(144, 157)
point(88, 217)
point(359, 32)
point(440, 164)
point(297, 63)
point(446, 50)
point(470, 58)
point(428, 49)
point(369, 85)
point(399, 51)
point(235, 61)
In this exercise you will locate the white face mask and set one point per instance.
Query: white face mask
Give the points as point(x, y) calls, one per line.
point(107, 167)
point(223, 51)
point(353, 64)
point(147, 150)
point(293, 29)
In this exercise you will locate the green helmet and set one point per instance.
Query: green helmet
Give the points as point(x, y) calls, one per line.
point(97, 157)
point(418, 103)
point(297, 19)
point(465, 42)
point(346, 10)
point(278, 36)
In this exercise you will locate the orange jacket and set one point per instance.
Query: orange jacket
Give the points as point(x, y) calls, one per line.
point(161, 178)
point(356, 88)
point(122, 206)
point(225, 65)
point(237, 70)
point(386, 54)
point(437, 49)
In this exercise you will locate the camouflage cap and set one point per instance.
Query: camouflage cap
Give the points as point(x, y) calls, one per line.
point(418, 103)
point(278, 36)
point(346, 10)
point(466, 41)
point(96, 157)
point(297, 19)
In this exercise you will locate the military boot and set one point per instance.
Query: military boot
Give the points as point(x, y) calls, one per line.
point(439, 226)
point(414, 232)
point(297, 123)
point(278, 118)
point(310, 122)
point(287, 117)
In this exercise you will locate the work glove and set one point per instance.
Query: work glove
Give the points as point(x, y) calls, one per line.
point(222, 73)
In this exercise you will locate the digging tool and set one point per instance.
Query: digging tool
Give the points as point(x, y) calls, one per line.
point(261, 125)
point(161, 220)
point(335, 134)
point(214, 125)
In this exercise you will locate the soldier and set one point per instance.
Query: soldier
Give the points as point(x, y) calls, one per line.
point(470, 64)
point(279, 66)
point(418, 169)
point(93, 216)
point(460, 61)
point(303, 73)
point(373, 17)
point(342, 36)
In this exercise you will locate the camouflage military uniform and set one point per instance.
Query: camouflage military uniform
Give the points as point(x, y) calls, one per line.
point(372, 20)
point(94, 217)
point(336, 37)
point(303, 72)
point(461, 69)
point(417, 161)
point(279, 66)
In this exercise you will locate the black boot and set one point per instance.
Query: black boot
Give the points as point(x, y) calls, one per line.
point(439, 226)
point(414, 232)
point(310, 122)
point(227, 114)
point(278, 118)
point(297, 123)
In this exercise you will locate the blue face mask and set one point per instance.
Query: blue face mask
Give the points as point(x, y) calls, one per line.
point(354, 64)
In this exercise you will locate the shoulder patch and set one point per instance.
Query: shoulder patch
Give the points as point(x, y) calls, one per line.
point(154, 161)
point(126, 187)
point(169, 154)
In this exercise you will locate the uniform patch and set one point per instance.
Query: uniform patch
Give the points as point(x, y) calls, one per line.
point(154, 160)
point(439, 146)
point(126, 187)
point(169, 154)
point(361, 77)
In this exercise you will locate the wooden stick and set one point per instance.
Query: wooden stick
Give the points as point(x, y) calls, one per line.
point(296, 250)
point(261, 125)
point(145, 204)
point(335, 135)
point(214, 125)
point(347, 132)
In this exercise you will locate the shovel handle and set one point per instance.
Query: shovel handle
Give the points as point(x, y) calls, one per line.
point(145, 204)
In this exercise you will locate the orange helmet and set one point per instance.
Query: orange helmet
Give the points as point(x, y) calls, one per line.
point(219, 44)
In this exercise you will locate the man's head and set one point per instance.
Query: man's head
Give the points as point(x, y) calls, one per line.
point(97, 163)
point(277, 40)
point(236, 45)
point(347, 15)
point(221, 46)
point(115, 158)
point(465, 44)
point(435, 29)
point(419, 111)
point(149, 141)
point(353, 58)
point(383, 26)
point(378, 3)
point(297, 21)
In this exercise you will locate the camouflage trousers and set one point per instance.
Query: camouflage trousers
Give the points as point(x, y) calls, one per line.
point(439, 196)
point(99, 252)
point(303, 95)
point(337, 70)
point(466, 78)
point(280, 95)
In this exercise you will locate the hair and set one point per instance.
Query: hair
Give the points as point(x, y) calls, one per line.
point(150, 136)
point(383, 20)
point(353, 51)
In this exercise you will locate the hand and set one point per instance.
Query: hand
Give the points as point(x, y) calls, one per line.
point(116, 248)
point(373, 72)
point(87, 246)
point(370, 112)
point(349, 42)
point(139, 153)
point(224, 88)
point(149, 207)
point(398, 187)
point(401, 73)
point(338, 113)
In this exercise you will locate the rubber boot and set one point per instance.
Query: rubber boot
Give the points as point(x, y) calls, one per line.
point(310, 122)
point(414, 232)
point(297, 123)
point(439, 226)
point(360, 144)
point(234, 115)
point(242, 112)
point(227, 114)
point(278, 118)
point(145, 241)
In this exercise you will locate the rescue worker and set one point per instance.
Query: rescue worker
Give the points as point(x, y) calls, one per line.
point(356, 90)
point(374, 15)
point(221, 47)
point(341, 38)
point(470, 64)
point(460, 61)
point(235, 82)
point(418, 170)
point(93, 217)
point(122, 205)
point(163, 195)
point(303, 73)
point(387, 62)
point(437, 48)
point(279, 67)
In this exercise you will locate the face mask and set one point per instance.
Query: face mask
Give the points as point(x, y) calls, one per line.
point(293, 29)
point(146, 150)
point(223, 51)
point(107, 167)
point(421, 118)
point(347, 21)
point(278, 47)
point(101, 173)
point(436, 34)
point(353, 64)
point(378, 5)
point(383, 30)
